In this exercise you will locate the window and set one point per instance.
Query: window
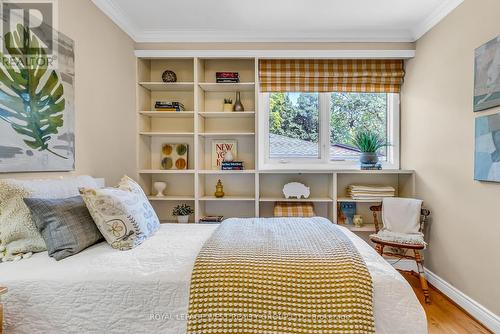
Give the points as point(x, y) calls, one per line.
point(315, 130)
point(353, 112)
point(294, 125)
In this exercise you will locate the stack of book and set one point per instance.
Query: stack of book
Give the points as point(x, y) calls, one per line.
point(227, 77)
point(211, 219)
point(370, 192)
point(232, 165)
point(377, 166)
point(169, 106)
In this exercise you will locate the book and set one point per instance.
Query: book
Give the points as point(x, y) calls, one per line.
point(219, 149)
point(377, 166)
point(232, 163)
point(211, 219)
point(232, 168)
point(169, 109)
point(230, 75)
point(227, 81)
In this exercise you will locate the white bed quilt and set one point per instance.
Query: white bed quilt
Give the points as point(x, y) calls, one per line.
point(146, 289)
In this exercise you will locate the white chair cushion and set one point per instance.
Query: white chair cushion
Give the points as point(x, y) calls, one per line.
point(400, 238)
point(401, 215)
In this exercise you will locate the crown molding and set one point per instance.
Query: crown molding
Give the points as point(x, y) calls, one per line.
point(112, 9)
point(445, 8)
point(214, 36)
point(115, 13)
point(281, 54)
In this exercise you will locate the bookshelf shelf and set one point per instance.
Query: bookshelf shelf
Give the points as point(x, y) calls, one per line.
point(348, 199)
point(226, 134)
point(167, 114)
point(310, 199)
point(168, 86)
point(166, 171)
point(227, 198)
point(170, 198)
point(364, 228)
point(166, 134)
point(223, 114)
point(227, 87)
point(220, 172)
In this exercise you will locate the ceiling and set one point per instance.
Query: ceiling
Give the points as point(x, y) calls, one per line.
point(276, 20)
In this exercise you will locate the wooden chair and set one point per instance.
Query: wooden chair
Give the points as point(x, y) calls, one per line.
point(415, 248)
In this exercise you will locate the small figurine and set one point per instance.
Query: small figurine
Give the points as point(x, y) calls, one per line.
point(219, 189)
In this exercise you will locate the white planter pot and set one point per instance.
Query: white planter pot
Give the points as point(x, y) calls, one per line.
point(182, 219)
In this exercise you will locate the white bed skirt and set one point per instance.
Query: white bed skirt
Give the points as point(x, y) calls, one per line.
point(146, 289)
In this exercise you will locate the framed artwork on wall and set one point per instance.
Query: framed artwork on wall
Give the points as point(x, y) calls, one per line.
point(36, 104)
point(174, 156)
point(487, 75)
point(487, 148)
point(219, 149)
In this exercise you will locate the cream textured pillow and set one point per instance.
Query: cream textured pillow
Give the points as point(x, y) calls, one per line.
point(123, 215)
point(18, 232)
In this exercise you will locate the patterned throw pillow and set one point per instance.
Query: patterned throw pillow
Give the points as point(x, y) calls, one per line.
point(65, 225)
point(123, 215)
point(19, 236)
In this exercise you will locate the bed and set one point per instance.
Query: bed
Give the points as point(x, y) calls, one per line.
point(146, 289)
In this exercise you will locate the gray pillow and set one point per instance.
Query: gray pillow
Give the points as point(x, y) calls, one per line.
point(65, 225)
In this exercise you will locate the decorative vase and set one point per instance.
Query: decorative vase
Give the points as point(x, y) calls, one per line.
point(368, 158)
point(227, 107)
point(219, 190)
point(160, 188)
point(228, 156)
point(358, 220)
point(169, 76)
point(238, 106)
point(183, 219)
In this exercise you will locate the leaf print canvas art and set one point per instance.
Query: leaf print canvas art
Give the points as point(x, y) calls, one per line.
point(36, 104)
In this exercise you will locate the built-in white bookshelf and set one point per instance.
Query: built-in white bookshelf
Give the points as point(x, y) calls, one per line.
point(250, 192)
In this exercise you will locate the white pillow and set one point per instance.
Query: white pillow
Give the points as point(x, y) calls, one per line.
point(18, 232)
point(123, 215)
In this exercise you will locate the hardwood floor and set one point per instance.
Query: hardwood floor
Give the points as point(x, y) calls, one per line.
point(443, 316)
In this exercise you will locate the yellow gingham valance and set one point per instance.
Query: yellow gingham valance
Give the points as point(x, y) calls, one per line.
point(338, 75)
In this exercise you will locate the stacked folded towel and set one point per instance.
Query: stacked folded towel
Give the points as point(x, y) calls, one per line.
point(370, 192)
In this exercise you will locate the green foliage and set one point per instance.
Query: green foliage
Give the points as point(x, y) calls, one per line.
point(182, 210)
point(298, 120)
point(350, 113)
point(368, 141)
point(31, 97)
point(228, 101)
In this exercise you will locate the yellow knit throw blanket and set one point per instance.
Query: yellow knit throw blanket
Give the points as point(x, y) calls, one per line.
point(280, 275)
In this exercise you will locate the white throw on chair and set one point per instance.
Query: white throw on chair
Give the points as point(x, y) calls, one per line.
point(403, 221)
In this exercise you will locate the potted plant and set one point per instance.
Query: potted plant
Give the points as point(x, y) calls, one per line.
point(182, 213)
point(228, 105)
point(368, 142)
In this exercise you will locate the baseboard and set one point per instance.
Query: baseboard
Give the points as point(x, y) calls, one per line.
point(476, 310)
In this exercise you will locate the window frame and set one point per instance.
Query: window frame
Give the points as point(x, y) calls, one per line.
point(324, 162)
